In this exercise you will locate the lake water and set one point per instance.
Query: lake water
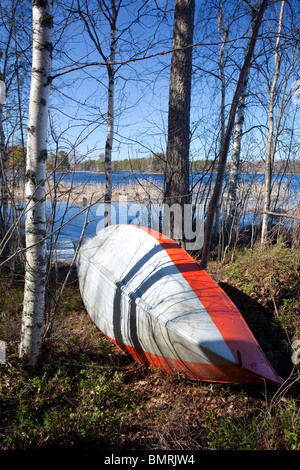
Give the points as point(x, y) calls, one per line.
point(70, 220)
point(74, 216)
point(119, 178)
point(123, 178)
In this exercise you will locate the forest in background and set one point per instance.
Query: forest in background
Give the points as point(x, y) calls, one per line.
point(153, 163)
point(156, 164)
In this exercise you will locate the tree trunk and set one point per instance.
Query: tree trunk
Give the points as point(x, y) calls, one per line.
point(3, 168)
point(270, 141)
point(177, 162)
point(35, 223)
point(236, 150)
point(224, 37)
point(111, 14)
point(109, 138)
point(224, 151)
point(235, 158)
point(110, 113)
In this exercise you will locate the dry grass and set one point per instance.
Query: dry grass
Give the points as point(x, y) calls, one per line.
point(85, 193)
point(90, 395)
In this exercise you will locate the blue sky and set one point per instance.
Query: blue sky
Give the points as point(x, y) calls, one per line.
point(79, 99)
point(141, 98)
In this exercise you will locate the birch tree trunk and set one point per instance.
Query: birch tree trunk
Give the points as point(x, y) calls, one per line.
point(35, 223)
point(3, 162)
point(224, 151)
point(92, 24)
point(110, 112)
point(3, 153)
point(177, 162)
point(236, 148)
point(270, 141)
point(235, 158)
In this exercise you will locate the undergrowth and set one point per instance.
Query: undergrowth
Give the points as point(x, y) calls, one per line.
point(88, 394)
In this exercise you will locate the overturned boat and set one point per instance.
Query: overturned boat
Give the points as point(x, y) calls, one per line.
point(152, 299)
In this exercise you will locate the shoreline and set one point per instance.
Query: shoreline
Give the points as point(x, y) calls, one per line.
point(85, 193)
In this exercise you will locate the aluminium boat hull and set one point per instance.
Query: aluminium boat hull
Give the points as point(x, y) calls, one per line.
point(152, 299)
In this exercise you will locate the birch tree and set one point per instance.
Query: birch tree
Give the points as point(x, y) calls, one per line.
point(35, 223)
point(238, 133)
point(5, 78)
point(270, 140)
point(229, 128)
point(3, 159)
point(110, 105)
point(110, 13)
point(13, 67)
point(177, 161)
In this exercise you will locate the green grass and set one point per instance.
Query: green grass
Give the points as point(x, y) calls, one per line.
point(265, 430)
point(88, 394)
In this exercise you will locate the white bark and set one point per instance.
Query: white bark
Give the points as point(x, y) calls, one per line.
point(35, 224)
point(238, 132)
point(110, 124)
point(109, 137)
point(110, 113)
point(3, 163)
point(110, 13)
point(224, 151)
point(270, 141)
point(235, 158)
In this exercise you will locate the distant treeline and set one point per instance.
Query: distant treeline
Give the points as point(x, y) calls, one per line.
point(156, 164)
point(151, 164)
point(280, 166)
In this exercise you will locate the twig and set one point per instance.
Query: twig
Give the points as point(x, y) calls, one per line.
point(50, 323)
point(278, 214)
point(274, 303)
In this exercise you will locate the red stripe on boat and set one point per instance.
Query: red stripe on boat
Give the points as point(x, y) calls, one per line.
point(232, 326)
